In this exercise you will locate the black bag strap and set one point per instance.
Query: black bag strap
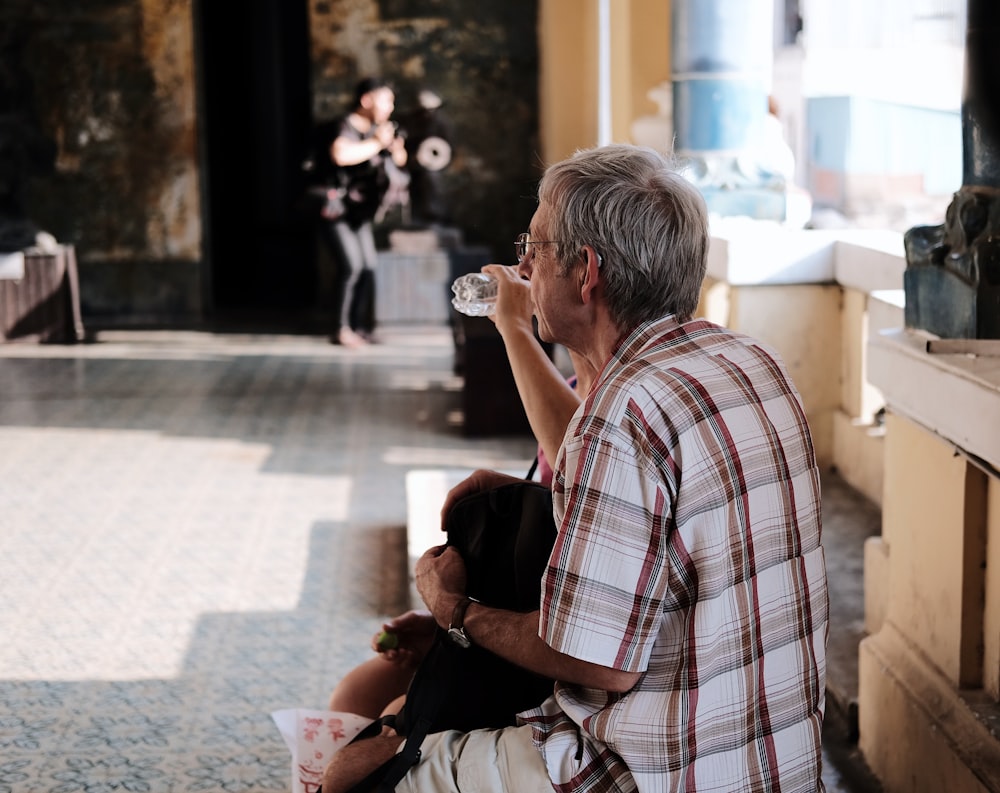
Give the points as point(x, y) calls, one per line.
point(531, 471)
point(388, 775)
point(432, 694)
point(396, 768)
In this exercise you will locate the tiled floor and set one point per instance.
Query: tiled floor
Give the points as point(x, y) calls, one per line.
point(197, 530)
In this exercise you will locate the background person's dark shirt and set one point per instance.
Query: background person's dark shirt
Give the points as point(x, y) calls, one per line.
point(366, 182)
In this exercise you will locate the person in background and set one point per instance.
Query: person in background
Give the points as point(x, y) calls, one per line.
point(354, 151)
point(684, 611)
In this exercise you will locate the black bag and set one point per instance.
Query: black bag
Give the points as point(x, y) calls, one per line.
point(324, 189)
point(333, 207)
point(505, 536)
point(320, 201)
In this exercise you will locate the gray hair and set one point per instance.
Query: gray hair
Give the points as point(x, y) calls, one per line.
point(647, 222)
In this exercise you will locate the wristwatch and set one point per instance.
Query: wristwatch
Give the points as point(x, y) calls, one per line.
point(456, 630)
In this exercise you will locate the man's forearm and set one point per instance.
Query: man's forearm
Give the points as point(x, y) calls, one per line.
point(514, 637)
point(549, 401)
point(440, 579)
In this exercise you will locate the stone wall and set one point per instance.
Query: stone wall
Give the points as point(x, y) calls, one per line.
point(482, 59)
point(111, 87)
point(109, 84)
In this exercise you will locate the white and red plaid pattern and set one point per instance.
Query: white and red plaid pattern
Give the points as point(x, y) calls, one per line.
point(688, 500)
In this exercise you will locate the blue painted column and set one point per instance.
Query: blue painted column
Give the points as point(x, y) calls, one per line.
point(721, 62)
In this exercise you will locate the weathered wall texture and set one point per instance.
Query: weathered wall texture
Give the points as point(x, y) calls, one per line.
point(111, 87)
point(111, 84)
point(482, 59)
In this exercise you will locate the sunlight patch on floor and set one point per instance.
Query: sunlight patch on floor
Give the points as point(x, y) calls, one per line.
point(121, 551)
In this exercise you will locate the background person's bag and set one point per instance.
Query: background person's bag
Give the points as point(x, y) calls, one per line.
point(334, 206)
point(324, 191)
point(325, 201)
point(505, 536)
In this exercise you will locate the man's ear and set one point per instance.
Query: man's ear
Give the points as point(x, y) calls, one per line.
point(589, 273)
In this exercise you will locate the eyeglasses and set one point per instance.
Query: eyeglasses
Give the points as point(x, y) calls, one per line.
point(523, 241)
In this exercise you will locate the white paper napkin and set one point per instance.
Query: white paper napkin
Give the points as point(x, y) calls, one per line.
point(313, 737)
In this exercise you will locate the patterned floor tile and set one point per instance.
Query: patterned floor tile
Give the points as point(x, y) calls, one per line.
point(196, 531)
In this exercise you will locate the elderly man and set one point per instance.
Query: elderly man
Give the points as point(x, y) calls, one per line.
point(684, 608)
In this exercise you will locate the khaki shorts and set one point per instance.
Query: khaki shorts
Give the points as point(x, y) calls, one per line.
point(482, 761)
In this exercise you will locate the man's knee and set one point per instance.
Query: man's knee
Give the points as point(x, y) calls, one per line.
point(357, 760)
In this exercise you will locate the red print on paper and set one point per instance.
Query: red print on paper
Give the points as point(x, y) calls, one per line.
point(336, 728)
point(310, 728)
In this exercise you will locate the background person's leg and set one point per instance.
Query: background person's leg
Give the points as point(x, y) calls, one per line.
point(351, 259)
point(363, 306)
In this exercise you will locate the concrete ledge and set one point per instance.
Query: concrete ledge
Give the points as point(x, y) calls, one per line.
point(876, 583)
point(768, 280)
point(870, 261)
point(927, 388)
point(858, 454)
point(425, 493)
point(746, 252)
point(886, 309)
point(949, 733)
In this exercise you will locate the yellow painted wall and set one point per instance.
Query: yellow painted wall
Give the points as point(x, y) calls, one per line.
point(937, 553)
point(916, 734)
point(567, 44)
point(919, 731)
point(648, 62)
point(852, 362)
point(857, 444)
point(991, 660)
point(568, 40)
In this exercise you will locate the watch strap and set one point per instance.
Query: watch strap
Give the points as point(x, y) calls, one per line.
point(458, 615)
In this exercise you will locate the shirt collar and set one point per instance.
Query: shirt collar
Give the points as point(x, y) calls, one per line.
point(642, 336)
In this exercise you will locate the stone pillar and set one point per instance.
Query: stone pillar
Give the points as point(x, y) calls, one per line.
point(721, 60)
point(929, 672)
point(952, 280)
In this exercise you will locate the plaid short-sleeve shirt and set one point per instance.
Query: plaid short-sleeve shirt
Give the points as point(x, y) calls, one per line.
point(687, 498)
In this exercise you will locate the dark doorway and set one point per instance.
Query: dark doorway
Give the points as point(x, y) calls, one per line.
point(254, 105)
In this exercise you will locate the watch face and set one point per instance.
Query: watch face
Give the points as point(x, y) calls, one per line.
point(459, 636)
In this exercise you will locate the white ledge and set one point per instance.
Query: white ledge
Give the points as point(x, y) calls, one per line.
point(871, 261)
point(746, 252)
point(956, 396)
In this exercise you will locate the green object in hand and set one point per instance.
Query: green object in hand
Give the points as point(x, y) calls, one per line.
point(387, 641)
